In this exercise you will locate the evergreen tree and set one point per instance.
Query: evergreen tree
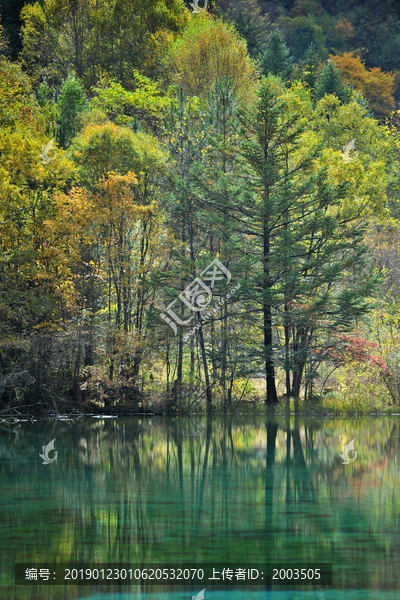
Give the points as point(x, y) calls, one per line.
point(47, 100)
point(275, 58)
point(330, 82)
point(249, 21)
point(309, 65)
point(300, 247)
point(71, 102)
point(222, 107)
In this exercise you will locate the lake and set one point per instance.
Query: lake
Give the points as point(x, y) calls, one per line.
point(206, 491)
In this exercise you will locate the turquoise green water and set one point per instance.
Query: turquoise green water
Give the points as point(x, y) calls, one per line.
point(189, 490)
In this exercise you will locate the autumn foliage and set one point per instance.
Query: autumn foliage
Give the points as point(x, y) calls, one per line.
point(139, 142)
point(374, 84)
point(352, 348)
point(210, 50)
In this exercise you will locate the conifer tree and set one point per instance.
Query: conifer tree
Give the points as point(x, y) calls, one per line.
point(330, 82)
point(302, 246)
point(249, 22)
point(275, 58)
point(310, 64)
point(222, 107)
point(71, 102)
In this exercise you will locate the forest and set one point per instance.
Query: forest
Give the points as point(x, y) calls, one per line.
point(199, 206)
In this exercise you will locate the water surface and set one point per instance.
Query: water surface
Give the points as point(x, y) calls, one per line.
point(191, 489)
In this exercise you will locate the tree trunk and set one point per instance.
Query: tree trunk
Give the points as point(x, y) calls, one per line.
point(178, 382)
point(205, 369)
point(271, 397)
point(224, 344)
point(287, 354)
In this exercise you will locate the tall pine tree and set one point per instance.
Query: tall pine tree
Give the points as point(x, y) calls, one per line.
point(308, 259)
point(275, 58)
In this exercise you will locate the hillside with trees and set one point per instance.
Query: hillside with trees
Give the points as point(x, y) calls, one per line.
point(199, 209)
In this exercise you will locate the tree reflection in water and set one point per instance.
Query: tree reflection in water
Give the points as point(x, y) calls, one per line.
point(213, 489)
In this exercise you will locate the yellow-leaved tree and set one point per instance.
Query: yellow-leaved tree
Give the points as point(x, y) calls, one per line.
point(376, 85)
point(29, 175)
point(113, 238)
point(89, 39)
point(113, 244)
point(210, 49)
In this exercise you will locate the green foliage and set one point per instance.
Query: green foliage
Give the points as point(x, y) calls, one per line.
point(90, 39)
point(310, 66)
point(249, 21)
point(39, 46)
point(71, 102)
point(18, 105)
point(47, 100)
point(330, 82)
point(277, 181)
point(100, 149)
point(208, 50)
point(300, 32)
point(301, 234)
point(275, 58)
point(147, 104)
